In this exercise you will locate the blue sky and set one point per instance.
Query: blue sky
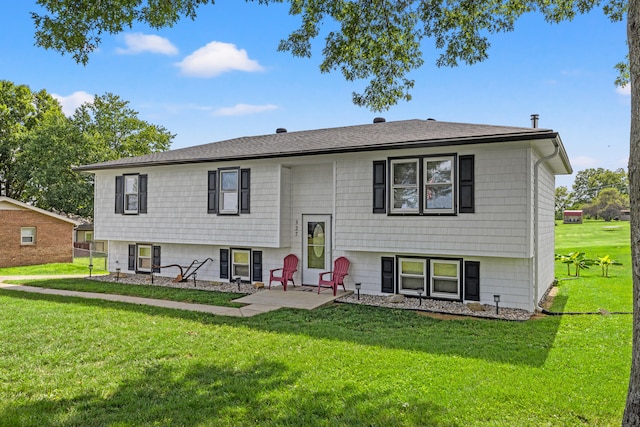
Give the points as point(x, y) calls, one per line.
point(221, 77)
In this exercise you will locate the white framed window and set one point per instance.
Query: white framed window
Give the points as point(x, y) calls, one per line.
point(144, 258)
point(241, 264)
point(445, 278)
point(131, 194)
point(229, 191)
point(438, 185)
point(412, 275)
point(404, 186)
point(28, 236)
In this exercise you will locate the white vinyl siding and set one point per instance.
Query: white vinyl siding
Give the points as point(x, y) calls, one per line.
point(500, 226)
point(177, 206)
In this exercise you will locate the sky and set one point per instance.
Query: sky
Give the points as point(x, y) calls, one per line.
point(221, 77)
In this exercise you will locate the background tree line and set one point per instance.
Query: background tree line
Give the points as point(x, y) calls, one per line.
point(600, 193)
point(39, 145)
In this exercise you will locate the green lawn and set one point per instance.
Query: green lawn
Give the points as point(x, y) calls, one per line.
point(145, 291)
point(73, 362)
point(79, 266)
point(591, 292)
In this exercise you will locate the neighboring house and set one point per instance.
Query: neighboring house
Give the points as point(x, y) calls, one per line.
point(572, 217)
point(29, 235)
point(625, 215)
point(455, 211)
point(84, 238)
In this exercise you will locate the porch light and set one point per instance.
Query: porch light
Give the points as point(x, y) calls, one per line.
point(496, 299)
point(358, 286)
point(90, 268)
point(420, 291)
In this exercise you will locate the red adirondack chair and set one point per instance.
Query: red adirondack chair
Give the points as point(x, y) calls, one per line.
point(340, 268)
point(290, 267)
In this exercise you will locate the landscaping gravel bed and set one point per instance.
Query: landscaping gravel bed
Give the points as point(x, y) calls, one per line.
point(426, 305)
point(441, 307)
point(202, 285)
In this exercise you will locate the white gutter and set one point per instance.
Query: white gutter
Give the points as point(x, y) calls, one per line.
point(536, 297)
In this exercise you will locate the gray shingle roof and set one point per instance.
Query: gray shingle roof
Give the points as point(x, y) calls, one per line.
point(377, 136)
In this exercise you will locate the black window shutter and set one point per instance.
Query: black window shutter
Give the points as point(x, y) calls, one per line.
point(388, 275)
point(212, 201)
point(142, 194)
point(224, 263)
point(156, 260)
point(379, 186)
point(119, 194)
point(256, 266)
point(245, 188)
point(466, 174)
point(132, 258)
point(472, 280)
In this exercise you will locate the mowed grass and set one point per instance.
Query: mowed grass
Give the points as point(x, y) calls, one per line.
point(591, 291)
point(73, 362)
point(144, 291)
point(79, 266)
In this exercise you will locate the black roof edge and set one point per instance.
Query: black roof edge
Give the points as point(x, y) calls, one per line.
point(395, 145)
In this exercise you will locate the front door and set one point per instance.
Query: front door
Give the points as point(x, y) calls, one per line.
point(316, 247)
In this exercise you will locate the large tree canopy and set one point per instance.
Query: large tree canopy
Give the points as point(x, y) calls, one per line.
point(378, 40)
point(589, 182)
point(39, 146)
point(115, 131)
point(21, 112)
point(607, 205)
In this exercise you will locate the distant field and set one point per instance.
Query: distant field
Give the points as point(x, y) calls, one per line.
point(592, 292)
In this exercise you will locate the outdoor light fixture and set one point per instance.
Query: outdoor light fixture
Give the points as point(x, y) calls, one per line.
point(90, 268)
point(496, 299)
point(358, 286)
point(420, 291)
point(238, 281)
point(117, 274)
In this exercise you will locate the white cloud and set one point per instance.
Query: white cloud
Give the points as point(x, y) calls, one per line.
point(138, 43)
point(244, 109)
point(624, 90)
point(73, 101)
point(216, 58)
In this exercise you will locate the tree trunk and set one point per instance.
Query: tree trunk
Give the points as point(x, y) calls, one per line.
point(632, 410)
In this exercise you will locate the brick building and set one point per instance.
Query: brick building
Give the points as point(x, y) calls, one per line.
point(29, 235)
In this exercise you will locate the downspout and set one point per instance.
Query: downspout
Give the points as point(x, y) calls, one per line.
point(536, 219)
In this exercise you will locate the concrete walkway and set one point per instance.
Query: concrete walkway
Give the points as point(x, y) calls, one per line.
point(302, 297)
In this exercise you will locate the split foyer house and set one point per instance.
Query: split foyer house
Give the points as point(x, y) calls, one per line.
point(30, 236)
point(450, 211)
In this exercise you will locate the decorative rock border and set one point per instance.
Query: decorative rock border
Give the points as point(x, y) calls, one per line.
point(440, 307)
